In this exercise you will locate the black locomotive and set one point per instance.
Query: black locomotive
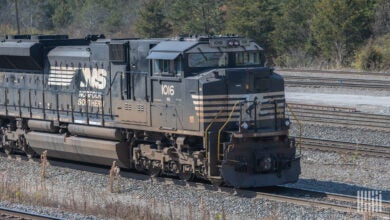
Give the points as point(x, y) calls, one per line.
point(202, 107)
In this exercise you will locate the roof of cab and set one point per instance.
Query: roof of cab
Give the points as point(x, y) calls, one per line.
point(174, 46)
point(194, 45)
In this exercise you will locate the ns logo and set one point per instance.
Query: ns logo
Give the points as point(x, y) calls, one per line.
point(94, 78)
point(167, 90)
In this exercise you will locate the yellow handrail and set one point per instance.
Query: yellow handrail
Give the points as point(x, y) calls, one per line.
point(223, 126)
point(207, 129)
point(300, 128)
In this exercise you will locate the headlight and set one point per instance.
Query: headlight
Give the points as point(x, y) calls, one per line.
point(244, 125)
point(287, 123)
point(266, 164)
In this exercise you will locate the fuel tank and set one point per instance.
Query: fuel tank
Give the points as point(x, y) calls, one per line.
point(46, 126)
point(79, 148)
point(96, 132)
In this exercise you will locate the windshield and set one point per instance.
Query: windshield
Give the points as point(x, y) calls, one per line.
point(207, 59)
point(247, 58)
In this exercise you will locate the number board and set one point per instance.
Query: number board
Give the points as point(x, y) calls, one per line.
point(227, 42)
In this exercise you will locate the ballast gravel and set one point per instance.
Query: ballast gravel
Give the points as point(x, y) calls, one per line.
point(353, 136)
point(69, 192)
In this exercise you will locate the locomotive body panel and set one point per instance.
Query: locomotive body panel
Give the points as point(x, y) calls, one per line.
point(203, 107)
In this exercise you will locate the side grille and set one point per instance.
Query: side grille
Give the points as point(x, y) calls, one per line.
point(128, 107)
point(140, 108)
point(117, 52)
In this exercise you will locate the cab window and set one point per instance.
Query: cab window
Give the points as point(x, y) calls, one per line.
point(167, 67)
point(247, 58)
point(162, 66)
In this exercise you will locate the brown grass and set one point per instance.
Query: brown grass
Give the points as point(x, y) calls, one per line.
point(87, 201)
point(42, 197)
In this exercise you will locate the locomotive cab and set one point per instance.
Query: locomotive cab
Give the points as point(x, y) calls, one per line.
point(238, 104)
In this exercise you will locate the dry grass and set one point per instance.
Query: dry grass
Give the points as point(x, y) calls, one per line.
point(44, 164)
point(44, 196)
point(88, 201)
point(115, 177)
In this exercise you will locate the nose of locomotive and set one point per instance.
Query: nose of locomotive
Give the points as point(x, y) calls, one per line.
point(260, 163)
point(244, 80)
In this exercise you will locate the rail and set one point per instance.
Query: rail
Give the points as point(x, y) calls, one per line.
point(7, 213)
point(335, 72)
point(334, 201)
point(223, 126)
point(341, 79)
point(346, 147)
point(337, 116)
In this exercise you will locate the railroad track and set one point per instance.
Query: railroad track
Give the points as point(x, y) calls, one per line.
point(320, 78)
point(6, 213)
point(332, 72)
point(345, 147)
point(346, 117)
point(296, 196)
point(336, 82)
point(303, 197)
point(323, 200)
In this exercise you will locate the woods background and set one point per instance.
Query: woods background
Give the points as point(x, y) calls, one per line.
point(295, 33)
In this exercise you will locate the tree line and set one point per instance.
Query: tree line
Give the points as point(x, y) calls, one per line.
point(294, 33)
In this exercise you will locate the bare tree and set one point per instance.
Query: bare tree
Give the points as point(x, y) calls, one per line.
point(17, 16)
point(382, 18)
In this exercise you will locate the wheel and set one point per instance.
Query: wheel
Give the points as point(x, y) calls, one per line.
point(8, 149)
point(25, 147)
point(187, 176)
point(29, 152)
point(141, 164)
point(186, 173)
point(139, 168)
point(217, 182)
point(154, 168)
point(173, 167)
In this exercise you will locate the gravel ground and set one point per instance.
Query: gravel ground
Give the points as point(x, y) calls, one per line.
point(355, 136)
point(343, 173)
point(70, 189)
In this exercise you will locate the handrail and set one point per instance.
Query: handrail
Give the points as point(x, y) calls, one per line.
point(207, 129)
point(300, 128)
point(223, 126)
